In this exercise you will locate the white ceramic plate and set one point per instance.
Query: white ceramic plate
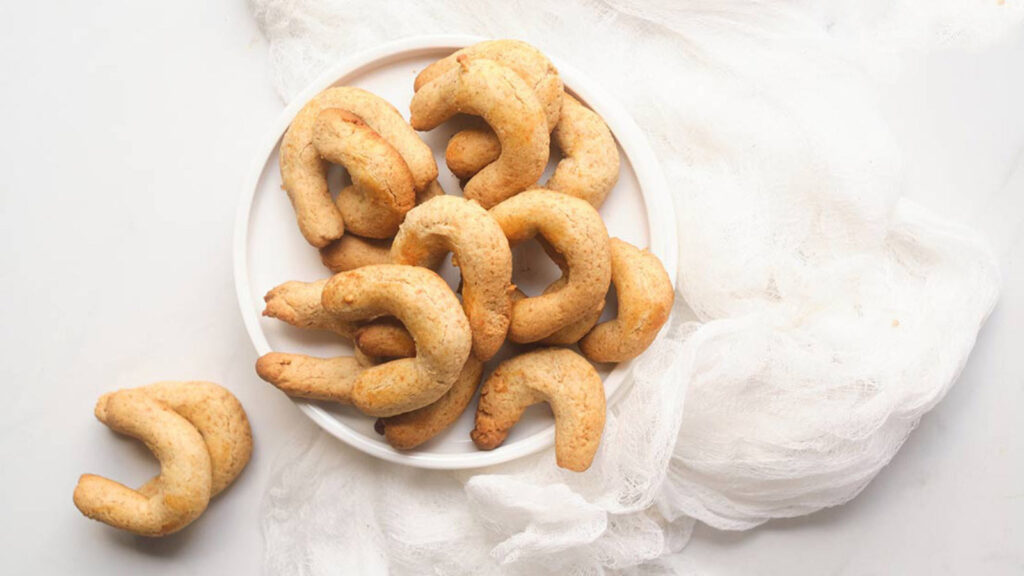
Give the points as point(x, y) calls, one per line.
point(269, 250)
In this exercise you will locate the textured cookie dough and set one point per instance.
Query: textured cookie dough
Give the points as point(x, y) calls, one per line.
point(481, 252)
point(508, 105)
point(588, 169)
point(573, 230)
point(558, 376)
point(218, 416)
point(527, 62)
point(299, 304)
point(429, 310)
point(304, 172)
point(410, 430)
point(350, 252)
point(308, 377)
point(645, 297)
point(382, 185)
point(199, 433)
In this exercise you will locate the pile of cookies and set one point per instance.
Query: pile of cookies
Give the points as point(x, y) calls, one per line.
point(419, 350)
point(200, 434)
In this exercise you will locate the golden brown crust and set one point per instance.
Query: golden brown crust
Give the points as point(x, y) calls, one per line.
point(309, 377)
point(409, 430)
point(382, 185)
point(508, 105)
point(463, 227)
point(299, 304)
point(350, 252)
point(589, 168)
point(220, 419)
point(304, 172)
point(558, 376)
point(571, 333)
point(645, 296)
point(421, 300)
point(385, 338)
point(574, 230)
point(527, 62)
point(183, 486)
point(469, 150)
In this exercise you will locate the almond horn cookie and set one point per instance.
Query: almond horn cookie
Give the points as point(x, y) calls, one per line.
point(350, 252)
point(481, 252)
point(479, 146)
point(526, 61)
point(508, 105)
point(304, 172)
point(589, 168)
point(382, 185)
point(220, 419)
point(429, 310)
point(645, 295)
point(385, 338)
point(558, 376)
point(183, 486)
point(574, 230)
point(200, 434)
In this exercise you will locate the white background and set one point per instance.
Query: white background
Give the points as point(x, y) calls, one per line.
point(125, 131)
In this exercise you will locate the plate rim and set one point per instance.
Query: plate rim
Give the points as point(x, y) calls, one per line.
point(650, 179)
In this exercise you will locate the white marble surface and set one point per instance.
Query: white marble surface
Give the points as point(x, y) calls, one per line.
point(127, 129)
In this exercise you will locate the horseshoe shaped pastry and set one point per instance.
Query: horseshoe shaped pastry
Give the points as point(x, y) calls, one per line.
point(463, 227)
point(417, 297)
point(199, 433)
point(574, 230)
point(589, 168)
point(382, 186)
point(409, 430)
point(480, 146)
point(528, 62)
point(508, 105)
point(218, 416)
point(421, 300)
point(304, 172)
point(558, 376)
point(645, 296)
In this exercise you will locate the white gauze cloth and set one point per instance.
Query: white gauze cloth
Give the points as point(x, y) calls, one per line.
point(823, 314)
